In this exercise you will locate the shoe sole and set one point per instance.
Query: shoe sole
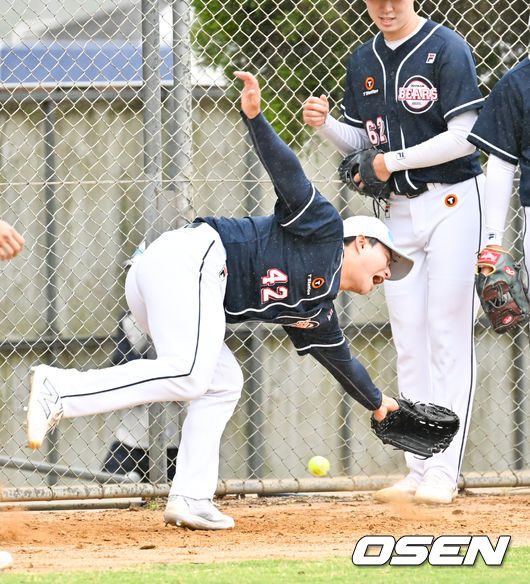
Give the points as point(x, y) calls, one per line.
point(433, 501)
point(393, 496)
point(6, 560)
point(192, 522)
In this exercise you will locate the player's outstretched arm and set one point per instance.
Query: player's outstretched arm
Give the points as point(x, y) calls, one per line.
point(283, 167)
point(251, 94)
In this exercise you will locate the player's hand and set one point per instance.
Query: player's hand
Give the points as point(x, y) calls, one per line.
point(11, 242)
point(315, 110)
point(488, 269)
point(389, 404)
point(251, 94)
point(380, 169)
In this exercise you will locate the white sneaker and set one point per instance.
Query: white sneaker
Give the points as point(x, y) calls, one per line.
point(195, 514)
point(403, 489)
point(44, 408)
point(436, 489)
point(6, 560)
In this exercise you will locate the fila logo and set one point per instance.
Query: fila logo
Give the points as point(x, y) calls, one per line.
point(415, 550)
point(431, 58)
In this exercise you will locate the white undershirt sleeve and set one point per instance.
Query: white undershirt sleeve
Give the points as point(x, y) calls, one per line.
point(344, 137)
point(498, 191)
point(444, 147)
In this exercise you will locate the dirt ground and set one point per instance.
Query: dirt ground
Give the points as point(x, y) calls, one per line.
point(266, 527)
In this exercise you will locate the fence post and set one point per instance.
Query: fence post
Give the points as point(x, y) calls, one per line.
point(51, 289)
point(176, 198)
point(152, 118)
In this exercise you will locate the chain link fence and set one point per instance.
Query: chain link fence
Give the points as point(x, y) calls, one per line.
point(119, 120)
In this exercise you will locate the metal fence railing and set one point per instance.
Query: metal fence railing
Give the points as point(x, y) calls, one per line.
point(119, 120)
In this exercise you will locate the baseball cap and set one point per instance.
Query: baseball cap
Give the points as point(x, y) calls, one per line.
point(400, 264)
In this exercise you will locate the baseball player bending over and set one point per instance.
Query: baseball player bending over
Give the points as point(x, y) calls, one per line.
point(285, 268)
point(412, 92)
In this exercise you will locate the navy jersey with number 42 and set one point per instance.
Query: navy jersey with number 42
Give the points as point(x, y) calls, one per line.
point(285, 268)
point(406, 96)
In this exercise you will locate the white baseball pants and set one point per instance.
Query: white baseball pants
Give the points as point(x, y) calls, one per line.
point(433, 309)
point(175, 290)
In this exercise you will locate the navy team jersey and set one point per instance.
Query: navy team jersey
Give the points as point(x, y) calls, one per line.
point(285, 268)
point(503, 126)
point(406, 96)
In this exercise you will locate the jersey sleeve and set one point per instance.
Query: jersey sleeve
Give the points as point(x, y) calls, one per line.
point(329, 347)
point(457, 83)
point(300, 208)
point(349, 107)
point(498, 127)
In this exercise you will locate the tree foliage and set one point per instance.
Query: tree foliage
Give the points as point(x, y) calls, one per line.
point(295, 48)
point(300, 48)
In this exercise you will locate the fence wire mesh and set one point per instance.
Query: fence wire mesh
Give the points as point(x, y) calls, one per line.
point(119, 120)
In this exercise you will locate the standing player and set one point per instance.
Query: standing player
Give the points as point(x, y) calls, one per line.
point(11, 244)
point(412, 92)
point(503, 131)
point(285, 268)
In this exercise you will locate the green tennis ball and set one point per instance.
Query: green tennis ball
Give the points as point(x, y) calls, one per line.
point(318, 465)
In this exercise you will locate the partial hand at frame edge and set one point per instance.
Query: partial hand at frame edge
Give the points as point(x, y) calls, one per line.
point(11, 242)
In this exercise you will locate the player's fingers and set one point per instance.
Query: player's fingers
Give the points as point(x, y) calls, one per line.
point(18, 238)
point(388, 404)
point(313, 115)
point(315, 104)
point(380, 414)
point(247, 78)
point(16, 242)
point(358, 181)
point(314, 122)
point(6, 251)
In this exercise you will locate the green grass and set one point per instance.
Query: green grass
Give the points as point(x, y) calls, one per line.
point(514, 569)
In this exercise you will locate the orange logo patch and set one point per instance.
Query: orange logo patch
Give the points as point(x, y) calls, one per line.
point(451, 200)
point(369, 83)
point(317, 282)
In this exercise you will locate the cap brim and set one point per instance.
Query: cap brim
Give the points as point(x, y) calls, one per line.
point(400, 264)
